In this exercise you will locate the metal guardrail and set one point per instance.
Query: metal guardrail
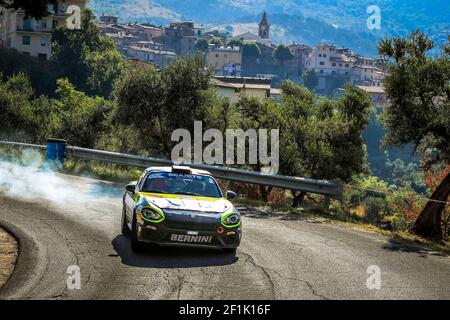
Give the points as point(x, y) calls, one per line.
point(24, 145)
point(327, 188)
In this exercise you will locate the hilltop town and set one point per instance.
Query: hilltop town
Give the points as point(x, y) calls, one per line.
point(244, 57)
point(245, 63)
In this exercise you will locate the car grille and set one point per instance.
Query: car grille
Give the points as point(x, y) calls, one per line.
point(191, 225)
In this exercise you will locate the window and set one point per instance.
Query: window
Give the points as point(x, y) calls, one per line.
point(334, 64)
point(149, 57)
point(324, 55)
point(26, 24)
point(181, 183)
point(54, 24)
point(321, 71)
point(26, 40)
point(322, 63)
point(42, 56)
point(346, 65)
point(43, 41)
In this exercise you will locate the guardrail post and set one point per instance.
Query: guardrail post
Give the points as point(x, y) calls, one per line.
point(340, 189)
point(326, 203)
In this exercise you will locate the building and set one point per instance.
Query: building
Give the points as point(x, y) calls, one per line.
point(367, 75)
point(161, 58)
point(263, 36)
point(199, 30)
point(180, 37)
point(367, 72)
point(122, 41)
point(30, 36)
point(329, 60)
point(296, 66)
point(151, 31)
point(235, 88)
point(109, 19)
point(264, 27)
point(378, 96)
point(227, 61)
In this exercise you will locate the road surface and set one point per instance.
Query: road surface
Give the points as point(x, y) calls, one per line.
point(281, 257)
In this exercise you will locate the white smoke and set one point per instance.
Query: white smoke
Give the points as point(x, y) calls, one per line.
point(31, 178)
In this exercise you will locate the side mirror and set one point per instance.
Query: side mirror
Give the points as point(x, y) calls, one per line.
point(231, 195)
point(131, 187)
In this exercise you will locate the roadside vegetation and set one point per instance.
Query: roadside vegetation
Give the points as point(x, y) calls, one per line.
point(93, 98)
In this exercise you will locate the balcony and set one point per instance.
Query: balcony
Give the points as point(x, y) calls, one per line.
point(34, 29)
point(51, 13)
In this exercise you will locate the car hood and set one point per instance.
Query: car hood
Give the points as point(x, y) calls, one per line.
point(191, 203)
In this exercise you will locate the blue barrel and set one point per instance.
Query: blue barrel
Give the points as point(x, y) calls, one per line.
point(55, 150)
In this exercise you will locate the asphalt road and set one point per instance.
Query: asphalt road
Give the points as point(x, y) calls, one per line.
point(280, 257)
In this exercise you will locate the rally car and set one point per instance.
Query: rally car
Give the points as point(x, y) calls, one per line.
point(179, 206)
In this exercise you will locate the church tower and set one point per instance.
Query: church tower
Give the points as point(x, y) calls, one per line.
point(264, 27)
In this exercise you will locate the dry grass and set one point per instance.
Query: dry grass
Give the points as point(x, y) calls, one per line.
point(316, 213)
point(8, 256)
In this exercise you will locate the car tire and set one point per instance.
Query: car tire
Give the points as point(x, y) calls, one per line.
point(229, 250)
point(125, 229)
point(136, 245)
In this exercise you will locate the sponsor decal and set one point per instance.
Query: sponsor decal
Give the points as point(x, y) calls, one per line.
point(190, 238)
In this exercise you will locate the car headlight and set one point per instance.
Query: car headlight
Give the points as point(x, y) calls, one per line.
point(231, 220)
point(152, 214)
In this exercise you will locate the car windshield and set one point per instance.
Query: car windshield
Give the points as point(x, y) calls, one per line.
point(183, 184)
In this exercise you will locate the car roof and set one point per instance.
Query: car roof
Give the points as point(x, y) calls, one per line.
point(183, 169)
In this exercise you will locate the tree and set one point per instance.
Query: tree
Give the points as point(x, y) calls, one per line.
point(255, 114)
point(42, 74)
point(156, 103)
point(33, 8)
point(22, 117)
point(310, 80)
point(250, 50)
point(15, 108)
point(201, 45)
point(322, 138)
point(418, 88)
point(82, 118)
point(235, 43)
point(89, 61)
point(216, 41)
point(282, 54)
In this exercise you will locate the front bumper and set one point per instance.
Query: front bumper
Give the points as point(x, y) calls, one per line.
point(181, 230)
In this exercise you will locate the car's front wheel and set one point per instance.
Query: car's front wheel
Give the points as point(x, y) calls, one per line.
point(125, 230)
point(136, 245)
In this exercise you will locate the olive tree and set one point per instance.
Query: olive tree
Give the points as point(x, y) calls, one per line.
point(418, 89)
